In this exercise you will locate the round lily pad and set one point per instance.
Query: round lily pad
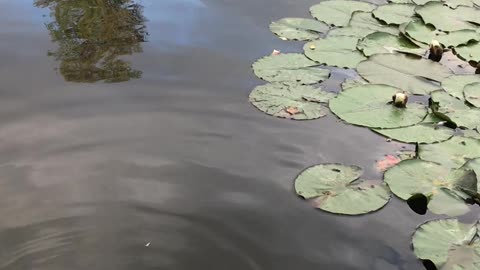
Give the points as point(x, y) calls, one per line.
point(428, 131)
point(395, 13)
point(403, 71)
point(423, 2)
point(335, 51)
point(289, 68)
point(338, 13)
point(298, 102)
point(448, 244)
point(365, 20)
point(380, 42)
point(426, 33)
point(445, 189)
point(472, 94)
point(369, 105)
point(455, 110)
point(401, 1)
point(336, 188)
point(469, 52)
point(456, 3)
point(454, 84)
point(447, 19)
point(452, 153)
point(298, 28)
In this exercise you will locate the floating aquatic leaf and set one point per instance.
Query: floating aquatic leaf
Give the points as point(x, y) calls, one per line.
point(449, 244)
point(454, 84)
point(455, 3)
point(335, 51)
point(401, 1)
point(443, 188)
point(370, 105)
point(298, 102)
point(447, 19)
point(423, 2)
point(366, 20)
point(338, 13)
point(352, 82)
point(380, 42)
point(471, 133)
point(336, 188)
point(408, 73)
point(395, 13)
point(470, 52)
point(455, 109)
point(428, 131)
point(426, 33)
point(472, 94)
point(387, 162)
point(289, 68)
point(452, 153)
point(298, 28)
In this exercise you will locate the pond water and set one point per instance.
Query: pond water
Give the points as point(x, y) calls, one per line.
point(127, 142)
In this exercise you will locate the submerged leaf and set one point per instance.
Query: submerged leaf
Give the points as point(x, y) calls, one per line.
point(380, 42)
point(395, 13)
point(449, 244)
point(387, 162)
point(289, 68)
point(454, 84)
point(438, 183)
point(452, 153)
point(279, 100)
point(335, 51)
point(447, 19)
point(298, 28)
point(472, 95)
point(336, 188)
point(352, 82)
point(369, 105)
point(408, 73)
point(339, 12)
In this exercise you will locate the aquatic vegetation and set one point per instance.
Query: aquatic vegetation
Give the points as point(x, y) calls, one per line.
point(337, 189)
point(402, 52)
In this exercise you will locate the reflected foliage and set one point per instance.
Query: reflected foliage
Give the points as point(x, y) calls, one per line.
point(93, 35)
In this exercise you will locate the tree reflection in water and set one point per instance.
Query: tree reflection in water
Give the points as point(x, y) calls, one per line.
point(93, 35)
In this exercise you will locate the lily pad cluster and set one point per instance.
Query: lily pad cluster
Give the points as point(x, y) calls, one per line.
point(425, 50)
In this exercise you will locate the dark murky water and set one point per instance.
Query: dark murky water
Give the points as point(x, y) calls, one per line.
point(172, 154)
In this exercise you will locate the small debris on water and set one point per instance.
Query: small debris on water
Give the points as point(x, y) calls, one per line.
point(147, 244)
point(276, 52)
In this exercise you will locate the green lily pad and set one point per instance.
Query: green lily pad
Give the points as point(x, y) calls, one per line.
point(448, 244)
point(366, 20)
point(423, 2)
point(395, 13)
point(456, 110)
point(472, 94)
point(452, 153)
point(289, 68)
point(428, 131)
point(426, 33)
point(408, 73)
point(298, 102)
point(298, 28)
point(368, 105)
point(352, 82)
point(444, 188)
point(470, 52)
point(380, 42)
point(338, 13)
point(401, 1)
point(335, 51)
point(454, 84)
point(456, 3)
point(447, 19)
point(336, 188)
point(473, 164)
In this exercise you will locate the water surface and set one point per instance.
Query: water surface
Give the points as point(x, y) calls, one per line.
point(124, 123)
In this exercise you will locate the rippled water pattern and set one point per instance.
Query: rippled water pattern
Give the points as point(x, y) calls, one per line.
point(127, 142)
